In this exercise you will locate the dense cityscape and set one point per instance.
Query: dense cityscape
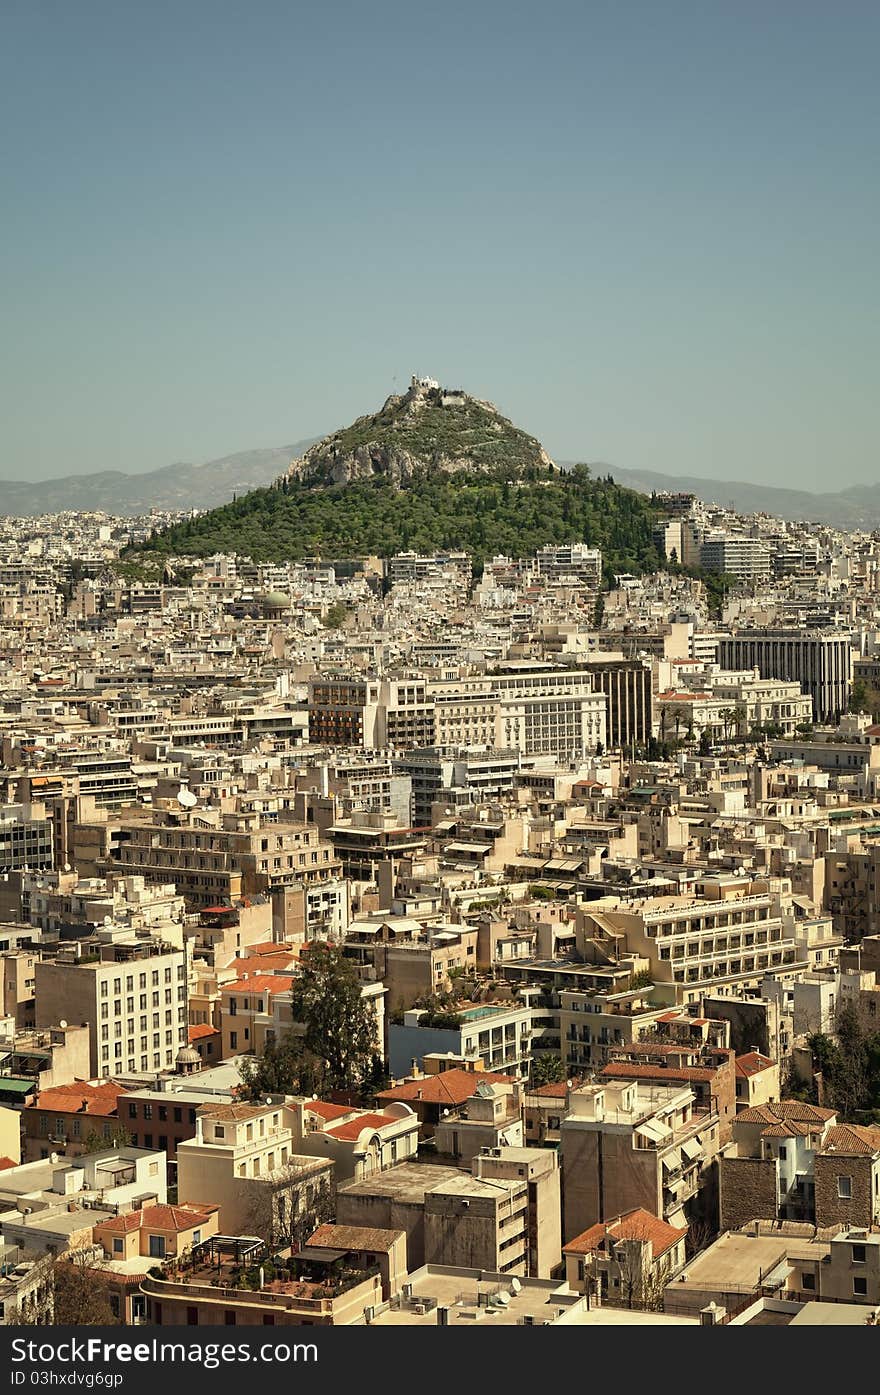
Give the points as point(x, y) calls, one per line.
point(426, 939)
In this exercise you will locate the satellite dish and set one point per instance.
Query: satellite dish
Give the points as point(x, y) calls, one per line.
point(63, 1023)
point(516, 1285)
point(185, 798)
point(502, 1298)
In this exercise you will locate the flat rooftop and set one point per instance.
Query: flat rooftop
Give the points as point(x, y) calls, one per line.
point(737, 1261)
point(471, 1299)
point(407, 1182)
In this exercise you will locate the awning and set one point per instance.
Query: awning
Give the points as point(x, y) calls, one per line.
point(671, 1161)
point(12, 1085)
point(692, 1149)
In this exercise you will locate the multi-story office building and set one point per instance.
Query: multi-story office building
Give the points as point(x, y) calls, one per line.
point(626, 684)
point(26, 837)
point(820, 661)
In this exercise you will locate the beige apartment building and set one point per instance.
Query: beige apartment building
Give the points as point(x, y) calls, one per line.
point(17, 969)
point(731, 932)
point(539, 1167)
point(132, 995)
point(626, 1145)
point(219, 858)
point(243, 1159)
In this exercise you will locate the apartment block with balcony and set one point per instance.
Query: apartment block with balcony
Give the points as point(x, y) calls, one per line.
point(498, 1034)
point(243, 1159)
point(626, 1145)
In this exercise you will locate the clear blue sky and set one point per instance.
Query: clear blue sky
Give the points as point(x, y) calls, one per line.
point(647, 231)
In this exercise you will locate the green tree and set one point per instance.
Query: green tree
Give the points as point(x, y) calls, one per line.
point(117, 1136)
point(547, 1070)
point(339, 1024)
point(283, 1067)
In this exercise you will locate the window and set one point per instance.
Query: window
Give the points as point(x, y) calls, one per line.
point(229, 1317)
point(783, 1153)
point(118, 1246)
point(860, 1288)
point(858, 1254)
point(844, 1188)
point(132, 1111)
point(157, 1246)
point(808, 1281)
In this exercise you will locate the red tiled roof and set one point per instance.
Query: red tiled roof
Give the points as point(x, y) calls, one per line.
point(752, 1063)
point(632, 1225)
point(260, 983)
point(623, 1070)
point(784, 1111)
point(7, 1163)
point(161, 1218)
point(862, 1139)
point(202, 1030)
point(349, 1132)
point(327, 1110)
point(353, 1237)
point(448, 1087)
point(80, 1097)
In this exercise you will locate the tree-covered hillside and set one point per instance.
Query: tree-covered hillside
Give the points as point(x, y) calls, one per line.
point(466, 511)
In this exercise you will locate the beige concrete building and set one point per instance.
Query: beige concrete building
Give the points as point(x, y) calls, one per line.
point(132, 995)
point(625, 1145)
point(539, 1167)
point(243, 1160)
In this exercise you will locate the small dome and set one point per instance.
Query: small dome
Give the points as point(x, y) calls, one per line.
point(276, 600)
point(188, 1056)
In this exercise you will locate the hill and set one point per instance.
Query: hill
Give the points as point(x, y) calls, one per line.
point(420, 433)
point(172, 487)
point(433, 470)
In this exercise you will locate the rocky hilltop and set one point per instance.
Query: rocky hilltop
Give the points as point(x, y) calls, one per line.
point(417, 434)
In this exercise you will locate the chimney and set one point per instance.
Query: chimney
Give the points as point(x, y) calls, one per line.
point(200, 1131)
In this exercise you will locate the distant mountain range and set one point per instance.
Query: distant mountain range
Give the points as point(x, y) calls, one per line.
point(179, 486)
point(856, 507)
point(186, 486)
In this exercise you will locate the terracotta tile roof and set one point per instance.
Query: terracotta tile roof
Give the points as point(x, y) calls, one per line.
point(349, 1132)
point(201, 1030)
point(792, 1129)
point(556, 1090)
point(353, 1237)
point(852, 1138)
point(785, 1111)
point(259, 983)
point(625, 1070)
point(752, 1063)
point(632, 1225)
point(80, 1097)
point(448, 1087)
point(175, 1218)
point(326, 1110)
point(7, 1163)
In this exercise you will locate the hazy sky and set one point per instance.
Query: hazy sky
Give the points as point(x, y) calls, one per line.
point(647, 231)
